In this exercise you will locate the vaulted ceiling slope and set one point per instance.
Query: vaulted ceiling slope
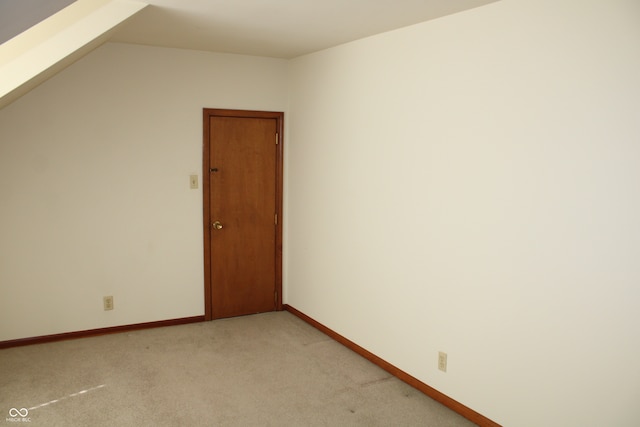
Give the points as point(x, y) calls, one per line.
point(48, 47)
point(274, 28)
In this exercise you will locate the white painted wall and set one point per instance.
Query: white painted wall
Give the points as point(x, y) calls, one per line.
point(94, 185)
point(472, 185)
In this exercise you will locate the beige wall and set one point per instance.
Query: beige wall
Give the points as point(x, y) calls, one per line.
point(472, 185)
point(94, 185)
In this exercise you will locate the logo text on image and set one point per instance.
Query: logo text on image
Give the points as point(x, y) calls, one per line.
point(18, 415)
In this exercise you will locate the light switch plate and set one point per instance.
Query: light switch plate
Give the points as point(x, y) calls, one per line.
point(193, 182)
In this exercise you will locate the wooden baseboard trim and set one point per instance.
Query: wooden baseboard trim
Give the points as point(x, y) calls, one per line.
point(101, 331)
point(450, 403)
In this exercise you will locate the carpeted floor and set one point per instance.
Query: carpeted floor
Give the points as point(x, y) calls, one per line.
point(264, 370)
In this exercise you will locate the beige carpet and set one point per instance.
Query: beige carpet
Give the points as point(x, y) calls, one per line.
point(264, 370)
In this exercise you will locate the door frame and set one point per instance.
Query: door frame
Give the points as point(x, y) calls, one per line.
point(206, 192)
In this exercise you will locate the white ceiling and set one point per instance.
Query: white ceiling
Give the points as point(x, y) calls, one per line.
point(276, 28)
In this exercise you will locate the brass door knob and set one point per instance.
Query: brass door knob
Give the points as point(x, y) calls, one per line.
point(217, 225)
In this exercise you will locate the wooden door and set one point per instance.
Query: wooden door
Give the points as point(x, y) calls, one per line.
point(242, 193)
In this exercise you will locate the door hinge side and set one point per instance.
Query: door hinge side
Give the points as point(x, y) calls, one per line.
point(275, 298)
point(275, 219)
point(277, 137)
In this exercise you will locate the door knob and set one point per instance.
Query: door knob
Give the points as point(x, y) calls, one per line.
point(217, 225)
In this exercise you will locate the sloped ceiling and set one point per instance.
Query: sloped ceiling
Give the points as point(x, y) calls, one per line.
point(274, 28)
point(43, 50)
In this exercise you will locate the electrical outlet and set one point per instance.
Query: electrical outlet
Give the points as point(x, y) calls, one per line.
point(193, 181)
point(442, 361)
point(108, 303)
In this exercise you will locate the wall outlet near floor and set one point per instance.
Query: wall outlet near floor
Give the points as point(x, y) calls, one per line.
point(108, 303)
point(442, 361)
